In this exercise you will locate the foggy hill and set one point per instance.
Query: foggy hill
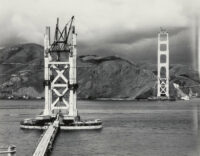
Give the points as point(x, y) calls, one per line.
point(98, 77)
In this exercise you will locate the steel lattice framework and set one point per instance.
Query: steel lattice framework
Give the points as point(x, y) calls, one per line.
point(163, 64)
point(60, 71)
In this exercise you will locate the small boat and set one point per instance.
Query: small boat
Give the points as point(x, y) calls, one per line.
point(10, 150)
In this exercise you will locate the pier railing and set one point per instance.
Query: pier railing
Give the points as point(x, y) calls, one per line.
point(9, 151)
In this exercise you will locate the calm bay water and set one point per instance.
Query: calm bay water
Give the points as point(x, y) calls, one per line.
point(130, 129)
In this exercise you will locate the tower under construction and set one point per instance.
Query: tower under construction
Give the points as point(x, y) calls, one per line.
point(163, 65)
point(60, 71)
point(60, 83)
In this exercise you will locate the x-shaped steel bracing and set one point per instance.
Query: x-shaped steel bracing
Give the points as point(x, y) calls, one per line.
point(64, 85)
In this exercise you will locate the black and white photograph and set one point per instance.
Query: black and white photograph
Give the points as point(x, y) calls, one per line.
point(99, 77)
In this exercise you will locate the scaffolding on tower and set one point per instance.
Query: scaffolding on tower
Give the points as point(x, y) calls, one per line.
point(60, 82)
point(60, 71)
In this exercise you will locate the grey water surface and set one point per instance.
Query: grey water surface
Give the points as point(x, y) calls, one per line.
point(130, 129)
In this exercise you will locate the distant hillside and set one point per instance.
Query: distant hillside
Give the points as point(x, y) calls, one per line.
point(98, 77)
point(29, 71)
point(112, 77)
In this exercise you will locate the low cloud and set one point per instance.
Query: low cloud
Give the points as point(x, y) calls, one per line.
point(105, 27)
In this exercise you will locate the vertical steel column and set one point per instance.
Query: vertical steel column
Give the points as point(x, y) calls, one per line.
point(72, 74)
point(47, 109)
point(74, 69)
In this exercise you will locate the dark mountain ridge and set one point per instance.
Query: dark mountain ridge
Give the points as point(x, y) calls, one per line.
point(21, 69)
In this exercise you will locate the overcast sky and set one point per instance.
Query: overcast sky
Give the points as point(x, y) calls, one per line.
point(127, 28)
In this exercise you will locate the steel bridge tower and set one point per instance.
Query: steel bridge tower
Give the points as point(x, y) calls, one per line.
point(163, 64)
point(60, 71)
point(60, 88)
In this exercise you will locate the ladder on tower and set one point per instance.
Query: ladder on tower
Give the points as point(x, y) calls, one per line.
point(47, 139)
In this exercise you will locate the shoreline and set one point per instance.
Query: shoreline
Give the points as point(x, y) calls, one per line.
point(101, 99)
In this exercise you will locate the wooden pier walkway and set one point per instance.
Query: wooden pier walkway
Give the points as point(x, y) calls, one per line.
point(47, 139)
